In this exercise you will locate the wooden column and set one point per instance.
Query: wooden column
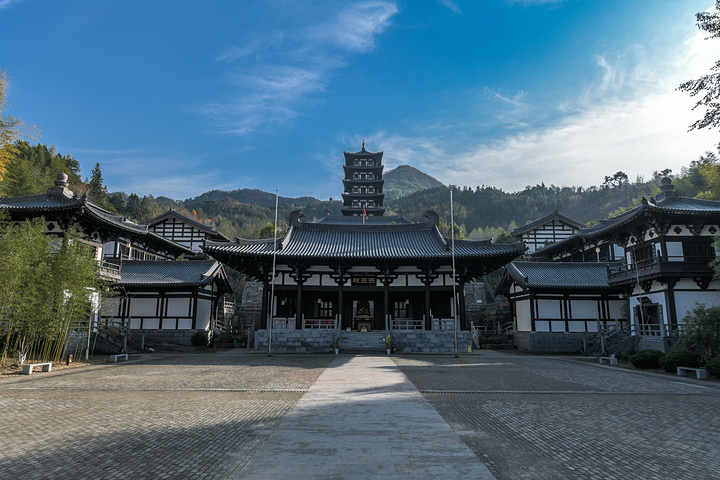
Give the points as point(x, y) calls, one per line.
point(340, 275)
point(264, 305)
point(427, 276)
point(387, 277)
point(299, 275)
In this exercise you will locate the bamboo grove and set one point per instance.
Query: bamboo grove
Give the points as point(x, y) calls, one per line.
point(48, 288)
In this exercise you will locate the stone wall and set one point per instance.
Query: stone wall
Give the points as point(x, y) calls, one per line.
point(322, 340)
point(175, 337)
point(296, 340)
point(561, 342)
point(430, 341)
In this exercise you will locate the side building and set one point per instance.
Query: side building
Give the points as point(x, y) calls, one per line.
point(657, 254)
point(547, 231)
point(126, 252)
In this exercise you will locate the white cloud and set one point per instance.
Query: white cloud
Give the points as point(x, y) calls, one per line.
point(304, 60)
point(7, 3)
point(450, 4)
point(629, 119)
point(356, 26)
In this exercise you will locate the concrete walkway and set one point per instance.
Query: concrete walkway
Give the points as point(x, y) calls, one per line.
point(363, 419)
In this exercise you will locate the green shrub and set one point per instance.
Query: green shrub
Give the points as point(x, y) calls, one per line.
point(200, 339)
point(671, 361)
point(713, 367)
point(647, 359)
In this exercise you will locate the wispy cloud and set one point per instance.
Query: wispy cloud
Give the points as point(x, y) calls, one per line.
point(271, 92)
point(630, 118)
point(7, 3)
point(536, 2)
point(451, 5)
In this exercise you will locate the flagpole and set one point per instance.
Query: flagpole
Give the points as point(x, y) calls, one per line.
point(272, 279)
point(452, 239)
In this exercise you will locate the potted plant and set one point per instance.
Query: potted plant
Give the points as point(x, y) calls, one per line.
point(388, 344)
point(337, 344)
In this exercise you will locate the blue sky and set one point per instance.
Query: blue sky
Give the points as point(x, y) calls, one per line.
point(179, 97)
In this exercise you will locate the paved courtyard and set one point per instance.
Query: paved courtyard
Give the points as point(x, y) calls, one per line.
point(219, 416)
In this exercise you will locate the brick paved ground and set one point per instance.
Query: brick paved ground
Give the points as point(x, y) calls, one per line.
point(203, 416)
point(531, 417)
point(190, 416)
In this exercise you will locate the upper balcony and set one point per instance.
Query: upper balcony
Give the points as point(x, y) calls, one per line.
point(108, 270)
point(661, 267)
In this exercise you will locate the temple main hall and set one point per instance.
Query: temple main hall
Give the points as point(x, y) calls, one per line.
point(363, 272)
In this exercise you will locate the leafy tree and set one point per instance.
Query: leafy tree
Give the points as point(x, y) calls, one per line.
point(33, 169)
point(616, 181)
point(97, 191)
point(701, 331)
point(45, 282)
point(134, 208)
point(707, 86)
point(11, 128)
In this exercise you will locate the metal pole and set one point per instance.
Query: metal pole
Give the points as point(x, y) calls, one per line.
point(272, 279)
point(452, 240)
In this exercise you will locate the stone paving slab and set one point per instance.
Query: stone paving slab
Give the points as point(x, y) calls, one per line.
point(363, 419)
point(206, 416)
point(171, 416)
point(540, 417)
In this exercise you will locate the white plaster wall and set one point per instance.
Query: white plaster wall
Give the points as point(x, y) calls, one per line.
point(674, 251)
point(616, 308)
point(542, 326)
point(179, 307)
point(686, 301)
point(576, 326)
point(184, 324)
point(558, 326)
point(203, 314)
point(313, 281)
point(151, 323)
point(169, 323)
point(522, 309)
point(549, 309)
point(585, 309)
point(140, 307)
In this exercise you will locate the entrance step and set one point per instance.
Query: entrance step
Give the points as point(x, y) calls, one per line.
point(362, 342)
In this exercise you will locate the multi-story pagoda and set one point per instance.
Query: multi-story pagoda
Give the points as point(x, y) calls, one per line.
point(363, 183)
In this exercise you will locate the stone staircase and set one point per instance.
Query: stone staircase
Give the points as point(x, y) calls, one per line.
point(362, 342)
point(609, 341)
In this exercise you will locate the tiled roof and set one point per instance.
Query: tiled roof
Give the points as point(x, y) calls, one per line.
point(545, 219)
point(200, 226)
point(559, 275)
point(47, 205)
point(169, 273)
point(667, 204)
point(337, 241)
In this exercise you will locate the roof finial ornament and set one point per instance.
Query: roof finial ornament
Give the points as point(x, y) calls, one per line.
point(363, 147)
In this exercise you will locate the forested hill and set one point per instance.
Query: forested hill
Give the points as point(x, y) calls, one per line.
point(248, 213)
point(405, 180)
point(252, 196)
point(486, 208)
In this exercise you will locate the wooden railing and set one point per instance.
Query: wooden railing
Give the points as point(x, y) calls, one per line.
point(406, 324)
point(318, 323)
point(109, 270)
point(443, 324)
point(283, 323)
point(662, 265)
